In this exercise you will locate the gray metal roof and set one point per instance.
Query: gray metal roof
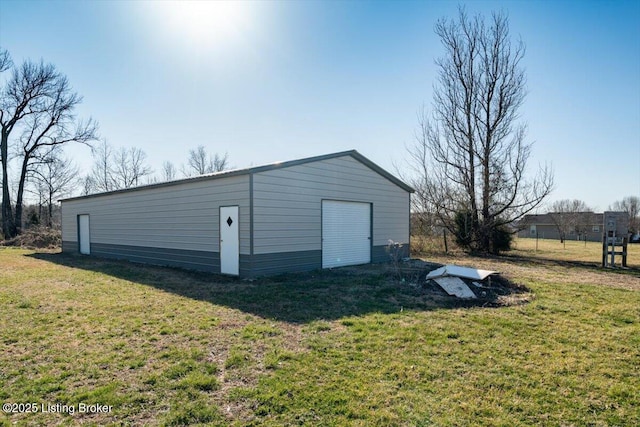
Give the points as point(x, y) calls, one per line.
point(278, 165)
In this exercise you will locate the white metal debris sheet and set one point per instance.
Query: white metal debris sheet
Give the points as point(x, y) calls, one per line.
point(455, 286)
point(457, 271)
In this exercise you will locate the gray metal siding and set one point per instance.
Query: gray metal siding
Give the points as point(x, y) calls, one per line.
point(194, 260)
point(250, 266)
point(380, 254)
point(285, 262)
point(287, 204)
point(70, 247)
point(183, 216)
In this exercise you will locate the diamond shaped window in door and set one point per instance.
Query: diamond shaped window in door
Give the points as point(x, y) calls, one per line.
point(229, 221)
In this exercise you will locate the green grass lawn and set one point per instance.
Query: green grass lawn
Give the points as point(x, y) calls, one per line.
point(170, 347)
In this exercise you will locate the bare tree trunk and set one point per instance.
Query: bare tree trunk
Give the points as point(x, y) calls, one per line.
point(19, 198)
point(8, 224)
point(50, 219)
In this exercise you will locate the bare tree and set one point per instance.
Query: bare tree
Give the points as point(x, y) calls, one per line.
point(129, 167)
point(470, 153)
point(100, 178)
point(200, 162)
point(115, 170)
point(220, 162)
point(55, 176)
point(36, 114)
point(168, 172)
point(570, 216)
point(86, 185)
point(630, 204)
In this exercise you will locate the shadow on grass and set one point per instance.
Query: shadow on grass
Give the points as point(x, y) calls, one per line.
point(294, 298)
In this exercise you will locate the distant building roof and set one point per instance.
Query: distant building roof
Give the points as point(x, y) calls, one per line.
point(547, 219)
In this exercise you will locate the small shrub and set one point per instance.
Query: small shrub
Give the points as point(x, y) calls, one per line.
point(501, 240)
point(466, 229)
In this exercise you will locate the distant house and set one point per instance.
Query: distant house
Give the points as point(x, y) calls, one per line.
point(545, 226)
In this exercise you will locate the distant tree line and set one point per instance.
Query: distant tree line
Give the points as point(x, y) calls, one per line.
point(121, 168)
point(199, 162)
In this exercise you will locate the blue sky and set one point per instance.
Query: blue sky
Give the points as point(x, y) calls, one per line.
point(277, 81)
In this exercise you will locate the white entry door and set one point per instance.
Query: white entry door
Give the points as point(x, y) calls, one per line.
point(346, 233)
point(229, 241)
point(83, 234)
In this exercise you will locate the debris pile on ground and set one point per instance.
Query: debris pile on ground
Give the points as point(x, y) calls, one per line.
point(453, 279)
point(456, 284)
point(484, 287)
point(36, 238)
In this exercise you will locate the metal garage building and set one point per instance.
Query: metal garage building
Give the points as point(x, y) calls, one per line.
point(321, 212)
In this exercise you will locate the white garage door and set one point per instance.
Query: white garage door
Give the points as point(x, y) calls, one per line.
point(346, 233)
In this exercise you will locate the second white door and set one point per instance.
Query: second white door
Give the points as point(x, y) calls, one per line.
point(84, 234)
point(229, 241)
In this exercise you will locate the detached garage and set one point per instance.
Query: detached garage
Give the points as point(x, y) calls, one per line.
point(321, 212)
